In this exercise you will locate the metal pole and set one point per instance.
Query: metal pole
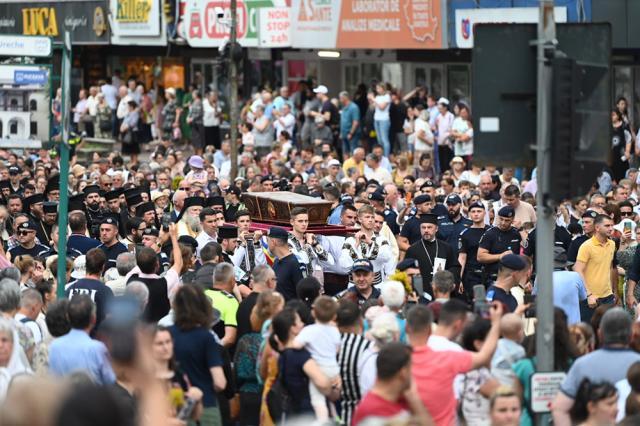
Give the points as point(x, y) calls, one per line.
point(546, 212)
point(63, 149)
point(233, 97)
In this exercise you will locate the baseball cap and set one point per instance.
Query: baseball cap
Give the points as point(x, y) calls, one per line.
point(15, 170)
point(422, 198)
point(362, 265)
point(279, 233)
point(333, 162)
point(453, 199)
point(590, 213)
point(377, 195)
point(513, 262)
point(321, 89)
point(110, 220)
point(506, 211)
point(476, 205)
point(407, 263)
point(443, 101)
point(559, 257)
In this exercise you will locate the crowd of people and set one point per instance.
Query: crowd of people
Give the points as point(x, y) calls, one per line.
point(182, 308)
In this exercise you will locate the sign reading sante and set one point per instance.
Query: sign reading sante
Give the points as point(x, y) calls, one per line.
point(16, 45)
point(366, 24)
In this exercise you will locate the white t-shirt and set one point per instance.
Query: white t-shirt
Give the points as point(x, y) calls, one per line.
point(322, 341)
point(419, 144)
point(382, 114)
point(110, 95)
point(466, 147)
point(470, 177)
point(210, 117)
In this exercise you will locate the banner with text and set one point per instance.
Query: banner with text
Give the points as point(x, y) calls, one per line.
point(87, 20)
point(275, 27)
point(367, 24)
point(206, 22)
point(135, 17)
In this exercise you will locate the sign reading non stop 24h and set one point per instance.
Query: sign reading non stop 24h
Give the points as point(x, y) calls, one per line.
point(204, 30)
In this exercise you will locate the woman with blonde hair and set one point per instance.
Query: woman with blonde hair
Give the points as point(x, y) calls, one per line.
point(402, 170)
point(26, 265)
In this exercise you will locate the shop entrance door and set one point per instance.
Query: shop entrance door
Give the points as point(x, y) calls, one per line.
point(203, 74)
point(431, 76)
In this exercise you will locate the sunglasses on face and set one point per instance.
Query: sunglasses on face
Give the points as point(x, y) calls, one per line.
point(23, 233)
point(626, 213)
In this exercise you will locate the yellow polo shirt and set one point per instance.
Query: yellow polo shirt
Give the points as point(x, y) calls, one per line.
point(352, 163)
point(598, 259)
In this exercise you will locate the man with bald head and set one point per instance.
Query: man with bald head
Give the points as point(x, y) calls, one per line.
point(178, 204)
point(356, 160)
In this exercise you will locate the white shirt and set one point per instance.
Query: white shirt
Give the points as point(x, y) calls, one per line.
point(203, 239)
point(285, 123)
point(381, 175)
point(210, 118)
point(110, 95)
point(420, 145)
point(123, 107)
point(92, 106)
point(322, 341)
point(466, 147)
point(382, 114)
point(470, 177)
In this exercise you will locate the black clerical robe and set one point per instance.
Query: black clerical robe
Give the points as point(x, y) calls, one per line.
point(434, 255)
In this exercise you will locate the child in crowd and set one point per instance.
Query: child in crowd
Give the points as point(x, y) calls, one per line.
point(509, 349)
point(322, 340)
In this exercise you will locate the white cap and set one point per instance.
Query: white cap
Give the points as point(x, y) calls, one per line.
point(443, 101)
point(333, 162)
point(79, 267)
point(321, 89)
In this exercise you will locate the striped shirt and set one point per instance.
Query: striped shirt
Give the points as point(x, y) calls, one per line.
point(349, 359)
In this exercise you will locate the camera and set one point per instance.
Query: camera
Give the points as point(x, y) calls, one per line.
point(166, 221)
point(480, 304)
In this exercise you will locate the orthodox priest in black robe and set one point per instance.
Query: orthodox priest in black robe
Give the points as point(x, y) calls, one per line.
point(432, 254)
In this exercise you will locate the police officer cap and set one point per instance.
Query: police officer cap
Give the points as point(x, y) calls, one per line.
point(377, 195)
point(28, 225)
point(428, 184)
point(279, 233)
point(151, 232)
point(362, 265)
point(110, 220)
point(453, 199)
point(266, 178)
point(476, 205)
point(590, 213)
point(406, 264)
point(513, 262)
point(506, 211)
point(188, 241)
point(422, 198)
point(429, 218)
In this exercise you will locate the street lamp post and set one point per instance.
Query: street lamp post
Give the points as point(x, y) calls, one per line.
point(233, 96)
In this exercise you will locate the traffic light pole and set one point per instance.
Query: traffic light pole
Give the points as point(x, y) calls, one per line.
point(545, 211)
point(63, 149)
point(233, 96)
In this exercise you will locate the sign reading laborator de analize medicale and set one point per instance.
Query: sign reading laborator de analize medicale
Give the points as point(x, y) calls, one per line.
point(367, 24)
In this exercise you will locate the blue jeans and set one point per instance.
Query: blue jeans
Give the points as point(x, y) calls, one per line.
point(349, 145)
point(382, 134)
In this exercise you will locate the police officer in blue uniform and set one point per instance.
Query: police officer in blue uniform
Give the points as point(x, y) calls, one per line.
point(377, 199)
point(439, 209)
point(510, 273)
point(468, 244)
point(498, 241)
point(450, 227)
point(411, 230)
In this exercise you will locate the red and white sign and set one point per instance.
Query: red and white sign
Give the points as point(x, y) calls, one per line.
point(274, 27)
point(544, 387)
point(204, 28)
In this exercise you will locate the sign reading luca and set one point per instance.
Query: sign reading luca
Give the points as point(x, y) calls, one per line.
point(39, 21)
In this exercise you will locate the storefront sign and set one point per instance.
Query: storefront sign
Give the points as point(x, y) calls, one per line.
point(275, 27)
point(15, 45)
point(26, 78)
point(544, 387)
point(467, 18)
point(135, 17)
point(85, 20)
point(204, 27)
point(367, 24)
